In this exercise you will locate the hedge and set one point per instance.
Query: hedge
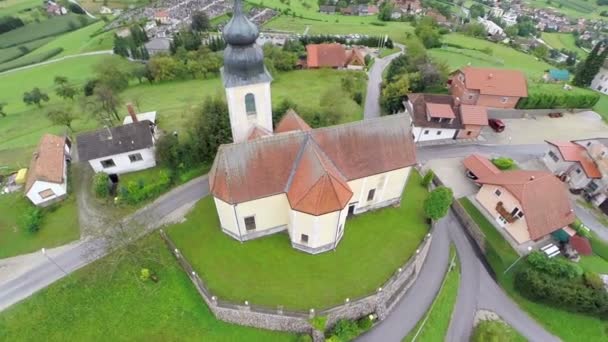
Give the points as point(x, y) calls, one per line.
point(556, 267)
point(546, 100)
point(138, 191)
point(571, 295)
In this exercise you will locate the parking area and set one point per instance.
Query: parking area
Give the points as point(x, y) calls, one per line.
point(452, 174)
point(536, 130)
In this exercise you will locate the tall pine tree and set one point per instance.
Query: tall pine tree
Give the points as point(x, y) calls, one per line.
point(587, 69)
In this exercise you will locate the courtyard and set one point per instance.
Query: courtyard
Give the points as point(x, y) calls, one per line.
point(269, 272)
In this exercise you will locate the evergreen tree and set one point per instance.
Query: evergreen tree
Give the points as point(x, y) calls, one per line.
point(587, 69)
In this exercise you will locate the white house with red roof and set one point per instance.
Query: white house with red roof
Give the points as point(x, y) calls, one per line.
point(46, 181)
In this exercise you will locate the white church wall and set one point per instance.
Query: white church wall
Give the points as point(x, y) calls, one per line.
point(240, 121)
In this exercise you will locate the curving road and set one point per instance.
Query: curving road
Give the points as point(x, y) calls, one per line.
point(374, 79)
point(94, 53)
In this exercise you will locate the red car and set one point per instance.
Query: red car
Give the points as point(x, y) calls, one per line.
point(497, 125)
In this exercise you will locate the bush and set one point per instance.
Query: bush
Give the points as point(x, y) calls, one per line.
point(144, 274)
point(304, 338)
point(593, 280)
point(345, 330)
point(492, 331)
point(571, 295)
point(438, 203)
point(556, 267)
point(428, 178)
point(31, 220)
point(503, 163)
point(365, 323)
point(138, 191)
point(318, 322)
point(101, 185)
point(544, 99)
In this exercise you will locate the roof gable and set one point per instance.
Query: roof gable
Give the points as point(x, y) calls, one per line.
point(291, 121)
point(47, 162)
point(574, 152)
point(497, 82)
point(325, 55)
point(115, 140)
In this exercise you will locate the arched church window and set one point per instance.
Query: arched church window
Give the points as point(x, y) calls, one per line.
point(250, 104)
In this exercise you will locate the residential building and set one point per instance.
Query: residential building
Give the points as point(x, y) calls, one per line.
point(162, 17)
point(488, 87)
point(296, 179)
point(583, 165)
point(334, 55)
point(510, 18)
point(158, 45)
point(120, 149)
point(47, 176)
point(528, 205)
point(600, 81)
point(440, 117)
point(491, 28)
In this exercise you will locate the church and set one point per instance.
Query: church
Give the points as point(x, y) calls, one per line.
point(293, 178)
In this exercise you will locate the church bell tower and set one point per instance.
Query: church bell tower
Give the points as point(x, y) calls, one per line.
point(246, 80)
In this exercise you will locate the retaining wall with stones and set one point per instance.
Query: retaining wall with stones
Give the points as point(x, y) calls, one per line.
point(381, 302)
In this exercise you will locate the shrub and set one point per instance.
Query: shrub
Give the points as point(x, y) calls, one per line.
point(494, 331)
point(580, 229)
point(503, 163)
point(365, 323)
point(558, 267)
point(304, 338)
point(571, 295)
point(543, 99)
point(319, 322)
point(31, 220)
point(144, 274)
point(428, 178)
point(138, 191)
point(593, 280)
point(437, 204)
point(345, 330)
point(100, 184)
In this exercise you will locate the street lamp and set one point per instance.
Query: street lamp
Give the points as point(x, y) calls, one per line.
point(53, 261)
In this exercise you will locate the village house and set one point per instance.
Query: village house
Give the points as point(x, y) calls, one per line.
point(489, 87)
point(583, 165)
point(440, 117)
point(158, 45)
point(46, 180)
point(294, 178)
point(334, 55)
point(120, 149)
point(528, 205)
point(600, 81)
point(162, 17)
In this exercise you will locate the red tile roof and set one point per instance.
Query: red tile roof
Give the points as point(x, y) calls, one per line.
point(498, 82)
point(291, 121)
point(440, 110)
point(312, 166)
point(543, 197)
point(325, 55)
point(480, 166)
point(576, 153)
point(474, 115)
point(48, 161)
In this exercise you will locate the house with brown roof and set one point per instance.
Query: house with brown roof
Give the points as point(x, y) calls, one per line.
point(334, 55)
point(440, 117)
point(488, 87)
point(528, 205)
point(308, 181)
point(46, 181)
point(583, 165)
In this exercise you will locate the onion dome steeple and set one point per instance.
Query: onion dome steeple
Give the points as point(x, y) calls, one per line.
point(243, 58)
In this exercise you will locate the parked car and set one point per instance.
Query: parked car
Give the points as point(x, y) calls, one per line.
point(556, 115)
point(497, 125)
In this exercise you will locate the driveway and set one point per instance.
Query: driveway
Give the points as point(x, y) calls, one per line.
point(452, 173)
point(537, 130)
point(374, 79)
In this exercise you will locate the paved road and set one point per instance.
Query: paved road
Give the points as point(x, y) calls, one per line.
point(372, 98)
point(167, 208)
point(94, 53)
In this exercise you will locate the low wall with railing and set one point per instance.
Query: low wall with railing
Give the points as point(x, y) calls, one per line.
point(381, 302)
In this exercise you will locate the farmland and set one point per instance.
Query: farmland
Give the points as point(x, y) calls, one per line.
point(43, 29)
point(563, 41)
point(14, 52)
point(572, 8)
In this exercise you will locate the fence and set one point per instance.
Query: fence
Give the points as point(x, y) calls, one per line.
point(381, 302)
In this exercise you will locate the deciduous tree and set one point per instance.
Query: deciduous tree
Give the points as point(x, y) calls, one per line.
point(64, 89)
point(63, 115)
point(438, 203)
point(200, 21)
point(35, 96)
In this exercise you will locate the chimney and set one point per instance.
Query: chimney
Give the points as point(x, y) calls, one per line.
point(132, 112)
point(531, 178)
point(490, 76)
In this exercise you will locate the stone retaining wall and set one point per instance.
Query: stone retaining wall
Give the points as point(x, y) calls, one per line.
point(381, 302)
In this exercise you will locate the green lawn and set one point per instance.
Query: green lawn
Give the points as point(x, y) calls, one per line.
point(47, 28)
point(563, 41)
point(98, 303)
point(59, 226)
point(439, 316)
point(386, 52)
point(594, 263)
point(566, 325)
point(268, 271)
point(602, 106)
point(502, 56)
point(17, 51)
point(491, 330)
point(80, 41)
point(11, 7)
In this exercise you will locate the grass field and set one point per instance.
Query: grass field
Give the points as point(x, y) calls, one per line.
point(11, 7)
point(502, 56)
point(98, 303)
point(18, 51)
point(439, 316)
point(80, 41)
point(268, 271)
point(43, 29)
point(59, 226)
point(567, 325)
point(563, 41)
point(572, 8)
point(30, 58)
point(594, 263)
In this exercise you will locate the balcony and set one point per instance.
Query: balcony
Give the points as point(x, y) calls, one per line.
point(506, 214)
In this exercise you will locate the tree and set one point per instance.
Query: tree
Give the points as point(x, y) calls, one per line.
point(2, 112)
point(64, 89)
point(393, 94)
point(168, 152)
point(285, 105)
point(113, 73)
point(163, 68)
point(438, 203)
point(511, 31)
point(62, 116)
point(333, 106)
point(139, 71)
point(35, 96)
point(211, 128)
point(200, 21)
point(103, 104)
point(477, 10)
point(430, 36)
point(386, 11)
point(540, 51)
point(475, 30)
point(587, 69)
